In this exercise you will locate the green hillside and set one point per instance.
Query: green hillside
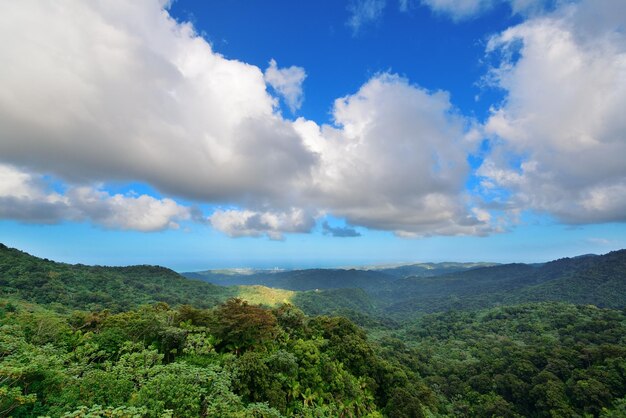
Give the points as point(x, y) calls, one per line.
point(96, 287)
point(301, 280)
point(430, 269)
point(598, 280)
point(79, 341)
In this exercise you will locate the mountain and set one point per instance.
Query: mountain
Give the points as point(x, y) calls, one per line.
point(598, 280)
point(42, 281)
point(411, 289)
point(429, 269)
point(97, 287)
point(301, 280)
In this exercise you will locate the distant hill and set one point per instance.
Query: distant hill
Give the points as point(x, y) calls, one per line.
point(430, 269)
point(598, 280)
point(301, 280)
point(42, 281)
point(432, 287)
point(589, 279)
point(97, 287)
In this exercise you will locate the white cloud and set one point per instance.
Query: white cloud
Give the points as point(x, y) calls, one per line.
point(459, 9)
point(28, 198)
point(287, 82)
point(466, 9)
point(247, 223)
point(363, 12)
point(119, 90)
point(142, 213)
point(395, 161)
point(563, 119)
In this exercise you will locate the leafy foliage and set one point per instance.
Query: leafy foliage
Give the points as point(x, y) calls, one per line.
point(548, 359)
point(79, 341)
point(235, 360)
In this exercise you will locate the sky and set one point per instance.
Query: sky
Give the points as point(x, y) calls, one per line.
point(286, 134)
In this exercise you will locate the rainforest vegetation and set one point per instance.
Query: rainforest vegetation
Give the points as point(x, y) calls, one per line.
point(143, 341)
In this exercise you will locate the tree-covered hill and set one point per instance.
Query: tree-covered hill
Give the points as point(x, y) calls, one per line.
point(430, 269)
point(97, 287)
point(405, 291)
point(239, 360)
point(79, 341)
point(599, 280)
point(310, 279)
point(302, 280)
point(68, 286)
point(531, 360)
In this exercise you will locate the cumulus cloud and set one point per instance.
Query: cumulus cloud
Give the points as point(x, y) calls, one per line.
point(560, 134)
point(395, 160)
point(119, 91)
point(247, 223)
point(363, 12)
point(29, 198)
point(287, 82)
point(339, 231)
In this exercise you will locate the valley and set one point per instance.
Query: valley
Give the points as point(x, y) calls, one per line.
point(424, 340)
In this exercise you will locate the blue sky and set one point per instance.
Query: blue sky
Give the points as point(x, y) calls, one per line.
point(300, 134)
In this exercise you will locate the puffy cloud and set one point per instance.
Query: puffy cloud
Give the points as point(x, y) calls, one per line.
point(142, 213)
point(363, 12)
point(247, 223)
point(24, 197)
point(119, 90)
point(287, 82)
point(396, 160)
point(561, 132)
point(28, 198)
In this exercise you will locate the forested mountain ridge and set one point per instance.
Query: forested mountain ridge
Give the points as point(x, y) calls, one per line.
point(235, 359)
point(599, 280)
point(97, 287)
point(309, 279)
point(76, 286)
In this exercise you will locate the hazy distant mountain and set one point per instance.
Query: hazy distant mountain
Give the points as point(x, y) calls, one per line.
point(430, 269)
point(589, 279)
point(310, 279)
